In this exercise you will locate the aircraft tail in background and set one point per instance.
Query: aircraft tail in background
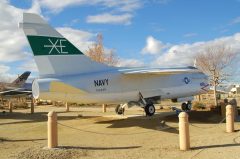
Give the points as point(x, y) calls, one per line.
point(20, 81)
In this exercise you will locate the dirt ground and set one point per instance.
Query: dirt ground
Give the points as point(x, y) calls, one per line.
point(86, 132)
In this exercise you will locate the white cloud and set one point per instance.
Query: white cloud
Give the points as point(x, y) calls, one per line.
point(116, 11)
point(29, 65)
point(153, 46)
point(36, 7)
point(13, 41)
point(4, 69)
point(123, 5)
point(130, 63)
point(161, 1)
point(81, 39)
point(72, 22)
point(8, 78)
point(12, 38)
point(57, 6)
point(4, 75)
point(107, 18)
point(123, 10)
point(189, 35)
point(183, 54)
point(235, 21)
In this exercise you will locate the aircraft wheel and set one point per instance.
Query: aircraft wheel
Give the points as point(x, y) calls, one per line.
point(149, 109)
point(189, 105)
point(119, 110)
point(184, 106)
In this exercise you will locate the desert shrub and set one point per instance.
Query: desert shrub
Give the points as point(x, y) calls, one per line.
point(198, 105)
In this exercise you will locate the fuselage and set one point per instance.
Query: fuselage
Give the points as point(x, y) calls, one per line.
point(115, 87)
point(67, 74)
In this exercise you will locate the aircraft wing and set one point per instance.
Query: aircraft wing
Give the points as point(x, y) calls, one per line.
point(14, 92)
point(159, 71)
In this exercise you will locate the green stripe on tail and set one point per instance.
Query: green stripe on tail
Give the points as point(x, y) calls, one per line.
point(43, 45)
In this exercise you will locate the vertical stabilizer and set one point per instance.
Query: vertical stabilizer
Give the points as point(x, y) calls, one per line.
point(54, 54)
point(20, 81)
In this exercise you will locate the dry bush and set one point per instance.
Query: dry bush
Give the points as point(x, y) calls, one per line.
point(213, 61)
point(97, 53)
point(198, 105)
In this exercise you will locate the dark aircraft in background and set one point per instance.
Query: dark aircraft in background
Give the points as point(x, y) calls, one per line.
point(17, 87)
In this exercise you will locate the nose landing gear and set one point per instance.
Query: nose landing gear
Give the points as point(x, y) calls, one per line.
point(120, 109)
point(186, 106)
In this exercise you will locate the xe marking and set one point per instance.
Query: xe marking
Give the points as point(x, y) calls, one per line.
point(56, 45)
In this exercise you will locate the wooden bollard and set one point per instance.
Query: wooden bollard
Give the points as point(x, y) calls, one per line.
point(67, 107)
point(32, 105)
point(10, 106)
point(233, 102)
point(104, 108)
point(229, 119)
point(184, 139)
point(52, 130)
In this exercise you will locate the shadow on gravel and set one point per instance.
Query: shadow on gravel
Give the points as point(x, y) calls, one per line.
point(154, 122)
point(21, 118)
point(214, 146)
point(157, 122)
point(21, 140)
point(206, 117)
point(99, 148)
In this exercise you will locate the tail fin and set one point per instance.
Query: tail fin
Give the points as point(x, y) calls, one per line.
point(54, 54)
point(19, 82)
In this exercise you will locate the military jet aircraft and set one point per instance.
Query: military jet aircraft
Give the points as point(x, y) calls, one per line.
point(66, 74)
point(17, 87)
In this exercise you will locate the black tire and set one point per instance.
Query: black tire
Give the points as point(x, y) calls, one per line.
point(119, 110)
point(149, 109)
point(189, 105)
point(184, 106)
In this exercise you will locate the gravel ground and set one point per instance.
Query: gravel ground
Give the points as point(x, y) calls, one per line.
point(86, 132)
point(44, 153)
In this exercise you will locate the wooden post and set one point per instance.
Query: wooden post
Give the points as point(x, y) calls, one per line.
point(233, 102)
point(67, 107)
point(199, 98)
point(52, 130)
point(32, 105)
point(104, 108)
point(223, 109)
point(10, 106)
point(184, 139)
point(229, 119)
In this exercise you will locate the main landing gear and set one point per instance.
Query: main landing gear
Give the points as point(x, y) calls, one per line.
point(148, 107)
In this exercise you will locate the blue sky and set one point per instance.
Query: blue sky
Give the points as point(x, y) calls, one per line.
point(146, 32)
